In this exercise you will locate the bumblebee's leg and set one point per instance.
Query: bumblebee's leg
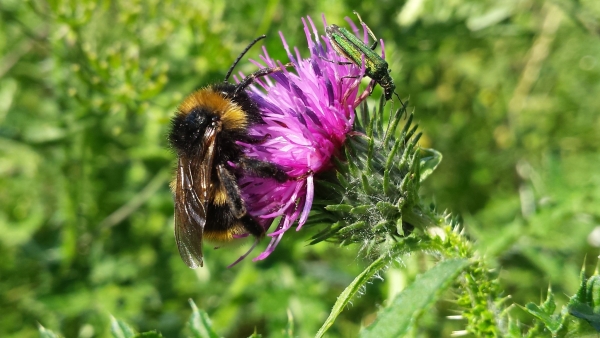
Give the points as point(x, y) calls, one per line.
point(255, 139)
point(264, 169)
point(256, 230)
point(234, 198)
point(259, 73)
point(252, 226)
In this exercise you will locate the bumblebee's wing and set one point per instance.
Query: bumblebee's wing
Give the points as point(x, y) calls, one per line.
point(191, 199)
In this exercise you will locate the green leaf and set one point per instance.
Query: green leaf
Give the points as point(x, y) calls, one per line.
point(593, 286)
point(584, 304)
point(326, 233)
point(45, 333)
point(120, 329)
point(430, 159)
point(388, 209)
point(585, 312)
point(200, 324)
point(346, 295)
point(400, 316)
point(366, 185)
point(553, 324)
point(339, 208)
point(545, 313)
point(360, 210)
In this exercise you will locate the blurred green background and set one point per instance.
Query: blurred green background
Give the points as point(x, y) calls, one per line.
point(508, 91)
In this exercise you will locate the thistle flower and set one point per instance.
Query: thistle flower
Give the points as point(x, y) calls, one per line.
point(308, 112)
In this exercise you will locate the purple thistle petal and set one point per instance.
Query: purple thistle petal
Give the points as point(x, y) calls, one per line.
point(310, 194)
point(355, 28)
point(308, 112)
point(270, 248)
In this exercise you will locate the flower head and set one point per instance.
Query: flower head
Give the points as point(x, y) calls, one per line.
point(308, 112)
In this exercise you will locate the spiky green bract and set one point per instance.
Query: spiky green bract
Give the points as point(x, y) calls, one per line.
point(585, 304)
point(374, 198)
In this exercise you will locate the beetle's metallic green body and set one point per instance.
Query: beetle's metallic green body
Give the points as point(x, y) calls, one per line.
point(352, 48)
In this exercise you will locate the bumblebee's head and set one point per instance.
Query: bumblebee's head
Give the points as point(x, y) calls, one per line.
point(187, 128)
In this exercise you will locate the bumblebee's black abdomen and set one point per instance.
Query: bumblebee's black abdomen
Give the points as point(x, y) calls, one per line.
point(222, 225)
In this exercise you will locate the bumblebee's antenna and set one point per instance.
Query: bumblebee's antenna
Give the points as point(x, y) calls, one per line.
point(242, 55)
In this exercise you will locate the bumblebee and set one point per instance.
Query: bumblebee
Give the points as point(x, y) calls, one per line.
point(204, 134)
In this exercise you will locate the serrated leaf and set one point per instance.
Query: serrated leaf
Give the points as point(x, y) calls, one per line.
point(581, 295)
point(346, 295)
point(514, 330)
point(545, 313)
point(549, 306)
point(430, 159)
point(120, 329)
point(552, 323)
point(397, 319)
point(200, 324)
point(45, 333)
